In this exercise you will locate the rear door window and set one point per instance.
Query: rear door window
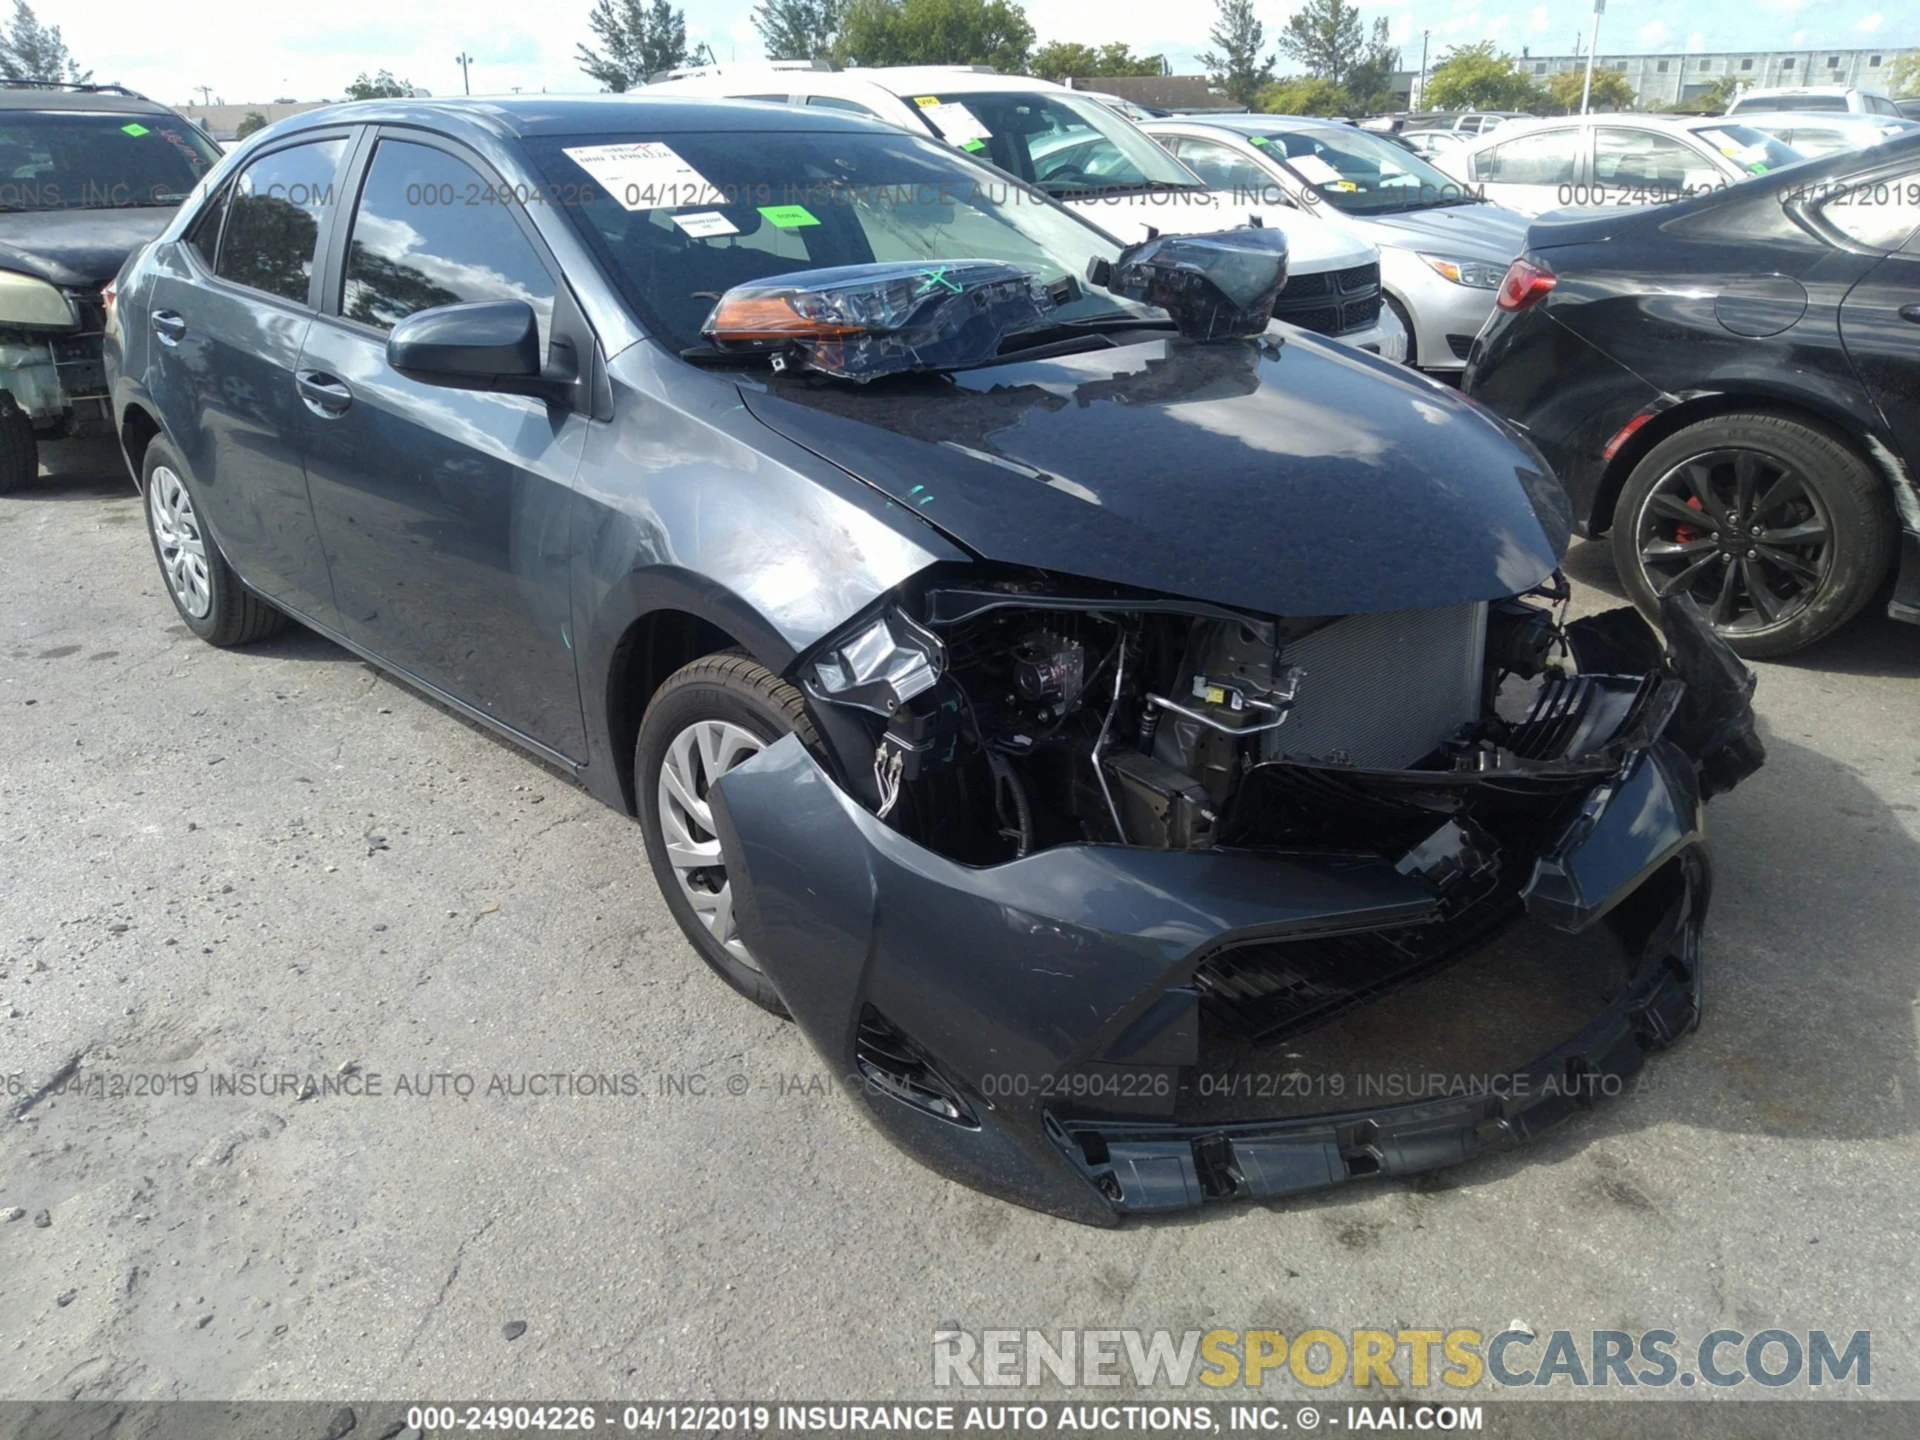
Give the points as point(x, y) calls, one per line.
point(275, 213)
point(1549, 157)
point(1642, 159)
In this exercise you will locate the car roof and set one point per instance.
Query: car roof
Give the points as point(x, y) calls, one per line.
point(524, 116)
point(111, 99)
point(1818, 119)
point(1760, 91)
point(1255, 124)
point(1661, 124)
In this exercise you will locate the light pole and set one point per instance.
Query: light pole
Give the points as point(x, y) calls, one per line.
point(463, 60)
point(1593, 38)
point(1422, 100)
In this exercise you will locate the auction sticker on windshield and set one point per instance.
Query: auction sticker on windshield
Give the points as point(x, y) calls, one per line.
point(955, 122)
point(704, 224)
point(645, 175)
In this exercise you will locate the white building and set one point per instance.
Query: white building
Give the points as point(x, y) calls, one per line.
point(1667, 79)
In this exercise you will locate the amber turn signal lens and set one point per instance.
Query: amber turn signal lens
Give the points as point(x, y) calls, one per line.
point(769, 317)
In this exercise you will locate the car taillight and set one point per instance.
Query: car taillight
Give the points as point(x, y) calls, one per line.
point(1524, 285)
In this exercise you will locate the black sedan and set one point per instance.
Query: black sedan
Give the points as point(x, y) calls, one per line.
point(1730, 385)
point(1054, 685)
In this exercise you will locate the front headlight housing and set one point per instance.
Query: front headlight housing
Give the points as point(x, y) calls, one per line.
point(1474, 274)
point(27, 302)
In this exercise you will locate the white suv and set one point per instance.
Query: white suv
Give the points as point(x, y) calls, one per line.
point(1830, 98)
point(1094, 162)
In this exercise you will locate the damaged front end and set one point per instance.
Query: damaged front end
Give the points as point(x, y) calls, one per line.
point(1112, 902)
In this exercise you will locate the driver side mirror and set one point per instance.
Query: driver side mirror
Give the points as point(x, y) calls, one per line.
point(477, 345)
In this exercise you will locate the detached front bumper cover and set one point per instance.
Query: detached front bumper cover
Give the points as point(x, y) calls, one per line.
point(1023, 1027)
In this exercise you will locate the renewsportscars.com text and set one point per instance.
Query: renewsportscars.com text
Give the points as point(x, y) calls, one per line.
point(1457, 1358)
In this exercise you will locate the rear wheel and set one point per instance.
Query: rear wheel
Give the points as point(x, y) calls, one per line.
point(209, 596)
point(19, 451)
point(1406, 324)
point(1778, 531)
point(708, 717)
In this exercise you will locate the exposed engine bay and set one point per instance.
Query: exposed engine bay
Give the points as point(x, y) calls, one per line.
point(1007, 720)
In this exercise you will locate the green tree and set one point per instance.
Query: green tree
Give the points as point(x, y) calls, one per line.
point(32, 51)
point(638, 40)
point(1326, 37)
point(1370, 81)
point(1903, 79)
point(1061, 60)
point(253, 120)
point(379, 87)
point(1561, 95)
point(1474, 77)
point(1305, 95)
point(798, 29)
point(935, 32)
point(1236, 65)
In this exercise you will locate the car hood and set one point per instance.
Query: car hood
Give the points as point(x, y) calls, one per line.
point(76, 247)
point(1313, 244)
point(1490, 232)
point(1289, 476)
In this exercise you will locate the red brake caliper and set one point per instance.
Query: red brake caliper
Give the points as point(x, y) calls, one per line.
point(1683, 534)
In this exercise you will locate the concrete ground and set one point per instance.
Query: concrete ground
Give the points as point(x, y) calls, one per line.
point(274, 860)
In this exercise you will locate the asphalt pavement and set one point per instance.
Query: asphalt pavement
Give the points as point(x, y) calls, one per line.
point(282, 874)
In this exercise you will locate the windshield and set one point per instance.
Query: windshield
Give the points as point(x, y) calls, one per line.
point(1754, 151)
point(677, 222)
point(1360, 173)
point(81, 160)
point(1066, 144)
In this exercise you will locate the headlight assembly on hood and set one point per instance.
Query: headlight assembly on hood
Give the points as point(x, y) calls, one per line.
point(858, 322)
point(1214, 286)
point(1475, 274)
point(30, 302)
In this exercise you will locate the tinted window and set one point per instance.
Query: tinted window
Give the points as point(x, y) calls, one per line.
point(81, 161)
point(204, 237)
point(834, 102)
point(1643, 157)
point(274, 218)
point(1222, 168)
point(1549, 158)
point(1880, 214)
point(429, 231)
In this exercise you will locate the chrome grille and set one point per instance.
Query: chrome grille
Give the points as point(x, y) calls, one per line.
point(1383, 690)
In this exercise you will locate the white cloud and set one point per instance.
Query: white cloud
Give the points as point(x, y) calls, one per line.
point(1655, 35)
point(1871, 23)
point(1537, 21)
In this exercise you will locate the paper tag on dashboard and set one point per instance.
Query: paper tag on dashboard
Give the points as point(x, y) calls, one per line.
point(1316, 170)
point(955, 122)
point(704, 224)
point(646, 175)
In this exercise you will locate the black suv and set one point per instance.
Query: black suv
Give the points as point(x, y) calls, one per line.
point(88, 174)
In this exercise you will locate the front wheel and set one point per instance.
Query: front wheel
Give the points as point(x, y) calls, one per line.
point(1778, 531)
point(19, 450)
point(708, 717)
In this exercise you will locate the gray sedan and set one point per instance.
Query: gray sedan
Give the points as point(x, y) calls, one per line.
point(1442, 251)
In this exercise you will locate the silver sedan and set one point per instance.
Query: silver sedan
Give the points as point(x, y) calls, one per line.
point(1443, 251)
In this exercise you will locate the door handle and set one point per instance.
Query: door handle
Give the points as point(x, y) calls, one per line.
point(1910, 312)
point(326, 395)
point(169, 325)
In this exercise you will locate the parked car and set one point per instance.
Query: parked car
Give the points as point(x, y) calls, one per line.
point(1469, 122)
point(1811, 133)
point(87, 174)
point(1429, 144)
point(1090, 160)
point(1127, 109)
point(1908, 108)
point(1001, 669)
point(1592, 162)
point(1726, 386)
point(1837, 99)
point(1443, 252)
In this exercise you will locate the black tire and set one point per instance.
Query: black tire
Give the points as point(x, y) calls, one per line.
point(724, 690)
point(1801, 534)
point(233, 614)
point(19, 451)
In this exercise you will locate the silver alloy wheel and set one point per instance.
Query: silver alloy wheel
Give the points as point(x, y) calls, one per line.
point(183, 549)
point(697, 756)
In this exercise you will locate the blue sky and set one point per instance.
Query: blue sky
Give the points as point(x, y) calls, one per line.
point(250, 52)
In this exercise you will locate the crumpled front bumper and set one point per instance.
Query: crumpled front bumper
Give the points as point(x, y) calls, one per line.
point(1031, 1028)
